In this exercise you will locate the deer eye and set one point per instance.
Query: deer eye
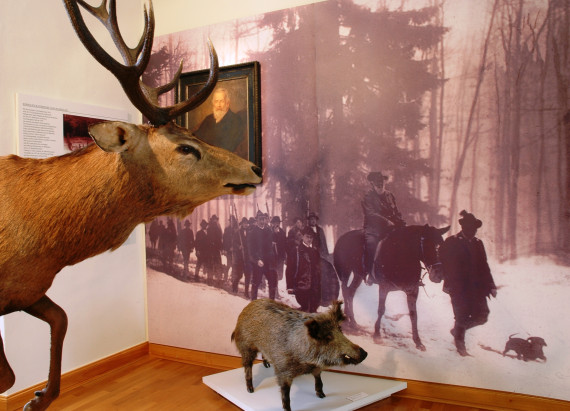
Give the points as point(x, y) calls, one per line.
point(185, 149)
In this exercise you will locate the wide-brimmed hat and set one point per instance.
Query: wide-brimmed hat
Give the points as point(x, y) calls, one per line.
point(312, 214)
point(244, 220)
point(203, 224)
point(275, 219)
point(469, 220)
point(376, 177)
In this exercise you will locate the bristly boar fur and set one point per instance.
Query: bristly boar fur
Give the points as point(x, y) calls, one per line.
point(293, 341)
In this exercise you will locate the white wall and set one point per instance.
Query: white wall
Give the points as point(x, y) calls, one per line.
point(41, 55)
point(187, 14)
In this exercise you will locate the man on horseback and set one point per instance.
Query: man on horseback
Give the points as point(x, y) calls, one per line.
point(466, 278)
point(381, 216)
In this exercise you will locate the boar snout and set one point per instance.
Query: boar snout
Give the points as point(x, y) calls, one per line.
point(347, 359)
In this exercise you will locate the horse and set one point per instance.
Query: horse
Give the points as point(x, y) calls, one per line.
point(397, 266)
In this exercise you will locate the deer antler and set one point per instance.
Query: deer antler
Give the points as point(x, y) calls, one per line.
point(143, 97)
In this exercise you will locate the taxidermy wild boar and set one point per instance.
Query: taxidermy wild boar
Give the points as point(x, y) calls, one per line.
point(293, 341)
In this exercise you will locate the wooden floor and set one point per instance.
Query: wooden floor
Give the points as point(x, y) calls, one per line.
point(156, 384)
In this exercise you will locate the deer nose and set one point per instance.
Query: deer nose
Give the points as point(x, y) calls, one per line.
point(257, 171)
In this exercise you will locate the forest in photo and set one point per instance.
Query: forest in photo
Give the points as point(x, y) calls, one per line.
point(460, 115)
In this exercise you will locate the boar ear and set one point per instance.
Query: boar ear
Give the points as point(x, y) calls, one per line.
point(336, 311)
point(314, 328)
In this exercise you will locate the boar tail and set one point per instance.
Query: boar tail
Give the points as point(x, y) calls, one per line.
point(233, 335)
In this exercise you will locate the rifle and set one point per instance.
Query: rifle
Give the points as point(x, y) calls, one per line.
point(233, 205)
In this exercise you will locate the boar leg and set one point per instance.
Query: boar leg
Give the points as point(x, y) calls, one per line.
point(247, 357)
point(285, 384)
point(318, 383)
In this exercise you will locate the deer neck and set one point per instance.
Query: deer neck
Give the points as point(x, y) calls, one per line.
point(98, 202)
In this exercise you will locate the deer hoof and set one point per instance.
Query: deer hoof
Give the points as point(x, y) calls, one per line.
point(40, 403)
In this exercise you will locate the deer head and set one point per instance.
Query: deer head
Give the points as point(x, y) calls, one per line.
point(237, 176)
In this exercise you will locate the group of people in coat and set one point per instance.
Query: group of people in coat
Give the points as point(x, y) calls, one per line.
point(257, 251)
point(261, 250)
point(466, 274)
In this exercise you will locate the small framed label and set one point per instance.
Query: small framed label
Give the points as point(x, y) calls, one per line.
point(356, 397)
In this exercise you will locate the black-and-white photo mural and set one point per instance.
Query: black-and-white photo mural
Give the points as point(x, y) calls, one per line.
point(416, 166)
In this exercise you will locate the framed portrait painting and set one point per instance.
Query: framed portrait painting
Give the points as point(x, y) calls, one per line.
point(231, 116)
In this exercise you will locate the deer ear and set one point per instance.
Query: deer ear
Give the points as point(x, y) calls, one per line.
point(116, 136)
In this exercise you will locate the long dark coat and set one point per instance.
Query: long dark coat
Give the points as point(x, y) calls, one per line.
point(320, 241)
point(260, 247)
point(202, 245)
point(465, 267)
point(186, 241)
point(280, 243)
point(240, 251)
point(308, 276)
point(228, 133)
point(378, 208)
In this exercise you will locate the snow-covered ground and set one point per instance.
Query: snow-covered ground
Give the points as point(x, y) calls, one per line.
point(533, 300)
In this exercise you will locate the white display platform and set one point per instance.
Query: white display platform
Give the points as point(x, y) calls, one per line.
point(343, 391)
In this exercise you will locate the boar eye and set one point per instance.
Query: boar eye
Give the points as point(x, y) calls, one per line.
point(186, 150)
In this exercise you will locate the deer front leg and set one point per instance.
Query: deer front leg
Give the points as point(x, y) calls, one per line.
point(48, 311)
point(7, 377)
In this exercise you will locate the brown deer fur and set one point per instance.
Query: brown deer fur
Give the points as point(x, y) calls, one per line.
point(59, 211)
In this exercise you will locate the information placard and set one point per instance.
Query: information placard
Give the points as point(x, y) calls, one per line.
point(49, 127)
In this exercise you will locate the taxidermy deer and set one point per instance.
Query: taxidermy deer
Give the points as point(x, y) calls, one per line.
point(61, 210)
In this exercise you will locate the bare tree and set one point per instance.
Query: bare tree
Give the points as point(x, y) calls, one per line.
point(436, 112)
point(559, 43)
point(468, 138)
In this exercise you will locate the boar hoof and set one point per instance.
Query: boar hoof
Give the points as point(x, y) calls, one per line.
point(266, 363)
point(249, 385)
point(321, 394)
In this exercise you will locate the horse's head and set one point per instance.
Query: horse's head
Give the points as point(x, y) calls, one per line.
point(430, 240)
